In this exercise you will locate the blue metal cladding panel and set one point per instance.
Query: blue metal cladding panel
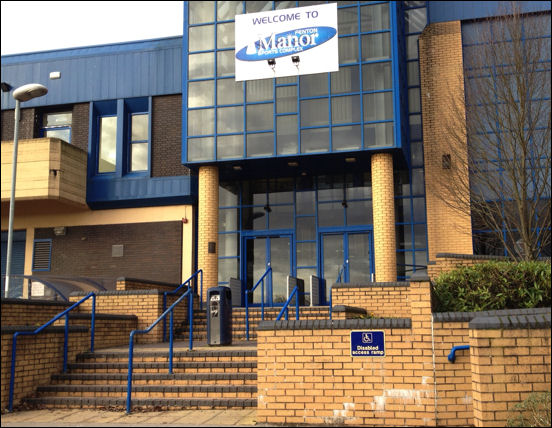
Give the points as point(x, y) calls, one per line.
point(147, 68)
point(443, 11)
point(141, 191)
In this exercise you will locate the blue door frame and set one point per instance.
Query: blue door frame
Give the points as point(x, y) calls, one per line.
point(247, 240)
point(343, 235)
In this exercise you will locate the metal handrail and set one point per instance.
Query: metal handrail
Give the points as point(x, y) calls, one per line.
point(176, 290)
point(189, 294)
point(260, 281)
point(285, 309)
point(39, 329)
point(337, 281)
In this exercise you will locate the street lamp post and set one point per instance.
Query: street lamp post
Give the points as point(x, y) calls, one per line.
point(21, 94)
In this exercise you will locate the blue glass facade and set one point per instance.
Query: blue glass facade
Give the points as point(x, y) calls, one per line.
point(294, 152)
point(357, 108)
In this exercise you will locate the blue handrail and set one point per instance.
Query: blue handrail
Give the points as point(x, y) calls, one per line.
point(285, 309)
point(260, 281)
point(190, 296)
point(452, 356)
point(39, 329)
point(337, 281)
point(200, 271)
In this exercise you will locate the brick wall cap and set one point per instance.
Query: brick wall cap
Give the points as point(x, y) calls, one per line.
point(350, 309)
point(420, 277)
point(79, 316)
point(510, 322)
point(12, 301)
point(468, 316)
point(480, 257)
point(372, 284)
point(352, 324)
point(10, 329)
point(147, 282)
point(118, 292)
point(187, 353)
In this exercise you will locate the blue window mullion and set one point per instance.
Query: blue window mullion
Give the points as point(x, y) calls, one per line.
point(120, 149)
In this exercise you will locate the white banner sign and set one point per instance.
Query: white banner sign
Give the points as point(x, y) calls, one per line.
point(287, 42)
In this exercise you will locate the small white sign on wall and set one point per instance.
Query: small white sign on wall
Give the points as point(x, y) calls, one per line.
point(287, 42)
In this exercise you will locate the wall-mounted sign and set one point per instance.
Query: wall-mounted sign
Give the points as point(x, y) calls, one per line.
point(367, 343)
point(287, 42)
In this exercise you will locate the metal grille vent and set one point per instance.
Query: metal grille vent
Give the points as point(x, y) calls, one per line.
point(42, 252)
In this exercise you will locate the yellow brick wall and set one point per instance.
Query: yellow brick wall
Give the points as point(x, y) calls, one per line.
point(441, 71)
point(134, 284)
point(147, 307)
point(450, 262)
point(21, 313)
point(38, 357)
point(507, 366)
point(208, 225)
point(380, 301)
point(308, 376)
point(383, 202)
point(453, 380)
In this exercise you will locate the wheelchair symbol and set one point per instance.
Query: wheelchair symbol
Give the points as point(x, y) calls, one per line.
point(366, 337)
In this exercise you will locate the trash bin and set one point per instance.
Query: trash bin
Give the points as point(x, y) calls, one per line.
point(219, 316)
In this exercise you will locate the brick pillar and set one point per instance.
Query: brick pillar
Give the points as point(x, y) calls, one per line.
point(383, 200)
point(422, 318)
point(441, 78)
point(510, 359)
point(208, 226)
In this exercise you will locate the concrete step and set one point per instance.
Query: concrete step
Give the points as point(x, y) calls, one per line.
point(151, 404)
point(178, 367)
point(150, 391)
point(156, 379)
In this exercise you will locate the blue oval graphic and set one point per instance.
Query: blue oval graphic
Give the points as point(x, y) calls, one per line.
point(287, 43)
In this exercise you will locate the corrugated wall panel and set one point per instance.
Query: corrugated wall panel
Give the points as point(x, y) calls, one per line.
point(90, 74)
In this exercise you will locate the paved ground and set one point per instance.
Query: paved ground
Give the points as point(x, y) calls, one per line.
point(104, 418)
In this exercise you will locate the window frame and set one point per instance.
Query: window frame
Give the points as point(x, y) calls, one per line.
point(45, 128)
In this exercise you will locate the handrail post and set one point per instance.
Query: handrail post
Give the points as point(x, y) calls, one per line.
point(297, 305)
point(331, 289)
point(93, 323)
point(262, 300)
point(165, 320)
point(201, 291)
point(65, 342)
point(171, 343)
point(129, 380)
point(246, 315)
point(12, 377)
point(191, 316)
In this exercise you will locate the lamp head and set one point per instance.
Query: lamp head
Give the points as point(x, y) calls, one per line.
point(30, 91)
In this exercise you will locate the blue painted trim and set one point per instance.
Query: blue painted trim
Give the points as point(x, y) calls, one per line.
point(396, 61)
point(184, 143)
point(92, 50)
point(108, 192)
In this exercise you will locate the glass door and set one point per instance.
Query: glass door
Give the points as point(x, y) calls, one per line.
point(262, 252)
point(346, 257)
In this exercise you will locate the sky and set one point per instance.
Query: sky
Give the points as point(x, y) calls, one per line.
point(32, 26)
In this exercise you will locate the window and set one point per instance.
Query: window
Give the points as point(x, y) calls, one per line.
point(107, 158)
point(57, 125)
point(122, 135)
point(139, 142)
